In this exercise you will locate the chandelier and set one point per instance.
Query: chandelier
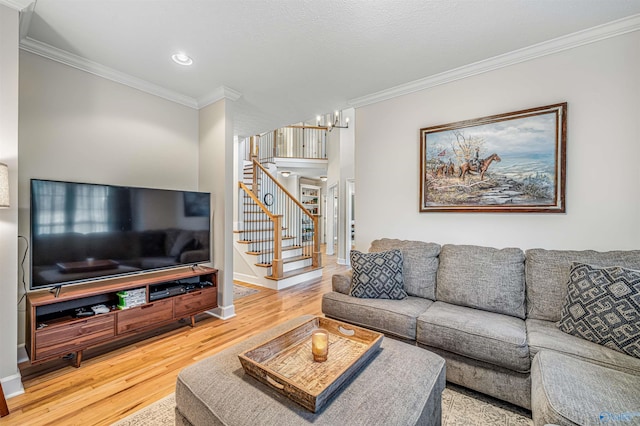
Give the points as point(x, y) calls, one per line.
point(332, 121)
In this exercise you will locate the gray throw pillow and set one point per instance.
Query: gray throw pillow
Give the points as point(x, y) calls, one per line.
point(603, 306)
point(419, 264)
point(377, 275)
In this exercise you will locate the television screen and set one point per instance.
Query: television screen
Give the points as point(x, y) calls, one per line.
point(83, 231)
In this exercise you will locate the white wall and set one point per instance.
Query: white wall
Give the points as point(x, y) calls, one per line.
point(79, 127)
point(601, 84)
point(340, 153)
point(347, 172)
point(9, 374)
point(216, 176)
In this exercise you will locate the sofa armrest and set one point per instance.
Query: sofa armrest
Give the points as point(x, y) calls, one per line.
point(341, 283)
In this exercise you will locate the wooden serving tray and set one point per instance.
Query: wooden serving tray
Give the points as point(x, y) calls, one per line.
point(286, 364)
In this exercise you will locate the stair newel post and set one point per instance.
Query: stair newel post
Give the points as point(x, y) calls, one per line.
point(277, 264)
point(253, 147)
point(254, 184)
point(316, 257)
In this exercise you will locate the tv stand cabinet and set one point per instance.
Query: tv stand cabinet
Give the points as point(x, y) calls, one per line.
point(54, 329)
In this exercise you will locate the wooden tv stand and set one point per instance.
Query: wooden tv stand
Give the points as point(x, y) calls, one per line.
point(53, 329)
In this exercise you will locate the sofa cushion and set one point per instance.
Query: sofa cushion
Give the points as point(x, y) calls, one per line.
point(543, 335)
point(603, 306)
point(547, 274)
point(394, 317)
point(482, 277)
point(420, 264)
point(485, 336)
point(377, 275)
point(567, 391)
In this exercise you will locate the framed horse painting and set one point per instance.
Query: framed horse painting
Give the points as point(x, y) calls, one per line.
point(512, 162)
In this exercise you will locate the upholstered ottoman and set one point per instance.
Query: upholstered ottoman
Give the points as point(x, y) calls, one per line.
point(401, 385)
point(569, 391)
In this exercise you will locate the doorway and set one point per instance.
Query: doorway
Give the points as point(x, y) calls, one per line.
point(332, 220)
point(350, 222)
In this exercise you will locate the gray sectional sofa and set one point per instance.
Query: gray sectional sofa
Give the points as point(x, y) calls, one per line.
point(493, 314)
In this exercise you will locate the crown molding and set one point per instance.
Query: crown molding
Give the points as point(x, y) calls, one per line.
point(25, 20)
point(17, 4)
point(577, 39)
point(36, 47)
point(222, 92)
point(75, 61)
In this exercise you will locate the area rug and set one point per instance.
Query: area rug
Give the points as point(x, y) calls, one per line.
point(460, 407)
point(241, 291)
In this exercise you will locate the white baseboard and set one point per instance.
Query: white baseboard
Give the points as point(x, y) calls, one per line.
point(223, 312)
point(22, 354)
point(12, 385)
point(279, 284)
point(252, 279)
point(343, 261)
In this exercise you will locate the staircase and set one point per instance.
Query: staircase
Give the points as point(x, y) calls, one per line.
point(277, 237)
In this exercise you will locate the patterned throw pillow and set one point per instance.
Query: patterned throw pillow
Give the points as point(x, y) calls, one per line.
point(377, 275)
point(603, 306)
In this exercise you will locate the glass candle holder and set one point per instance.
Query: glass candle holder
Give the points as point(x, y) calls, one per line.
point(320, 345)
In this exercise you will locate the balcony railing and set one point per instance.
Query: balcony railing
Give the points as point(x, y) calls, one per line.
point(307, 142)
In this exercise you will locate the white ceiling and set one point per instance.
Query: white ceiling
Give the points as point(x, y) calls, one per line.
point(286, 61)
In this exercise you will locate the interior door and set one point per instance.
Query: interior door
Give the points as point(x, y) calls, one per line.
point(332, 220)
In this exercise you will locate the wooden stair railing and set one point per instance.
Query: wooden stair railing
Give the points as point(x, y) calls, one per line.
point(276, 262)
point(285, 212)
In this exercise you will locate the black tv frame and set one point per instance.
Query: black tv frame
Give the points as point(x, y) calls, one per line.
point(187, 197)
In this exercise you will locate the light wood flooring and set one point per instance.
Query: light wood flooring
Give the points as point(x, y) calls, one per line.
point(119, 379)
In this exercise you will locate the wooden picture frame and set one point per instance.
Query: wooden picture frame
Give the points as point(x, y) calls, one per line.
point(513, 162)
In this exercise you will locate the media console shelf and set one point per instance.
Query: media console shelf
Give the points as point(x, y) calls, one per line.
point(55, 328)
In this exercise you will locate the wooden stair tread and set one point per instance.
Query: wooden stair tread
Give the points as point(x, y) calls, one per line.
point(256, 253)
point(257, 230)
point(295, 273)
point(287, 260)
point(261, 241)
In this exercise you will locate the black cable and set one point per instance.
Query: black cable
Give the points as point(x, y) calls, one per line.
point(24, 257)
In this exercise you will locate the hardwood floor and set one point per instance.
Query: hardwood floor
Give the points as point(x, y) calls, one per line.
point(119, 379)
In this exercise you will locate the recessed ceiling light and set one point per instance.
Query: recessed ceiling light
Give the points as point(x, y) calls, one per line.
point(182, 59)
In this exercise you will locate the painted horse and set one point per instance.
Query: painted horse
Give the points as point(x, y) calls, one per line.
point(445, 169)
point(482, 168)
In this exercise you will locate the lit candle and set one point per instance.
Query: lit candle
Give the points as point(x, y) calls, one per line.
point(320, 345)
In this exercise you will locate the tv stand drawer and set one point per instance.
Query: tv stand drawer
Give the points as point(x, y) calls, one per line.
point(145, 316)
point(64, 339)
point(196, 302)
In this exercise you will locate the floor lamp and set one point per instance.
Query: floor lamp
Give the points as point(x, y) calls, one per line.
point(4, 203)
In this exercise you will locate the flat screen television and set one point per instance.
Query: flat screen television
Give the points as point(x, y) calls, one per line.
point(85, 231)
